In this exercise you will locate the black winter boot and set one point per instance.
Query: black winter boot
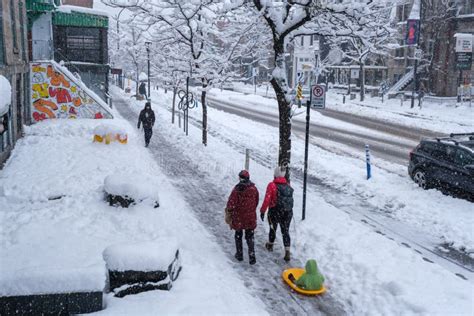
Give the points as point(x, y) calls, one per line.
point(269, 246)
point(252, 259)
point(287, 254)
point(239, 256)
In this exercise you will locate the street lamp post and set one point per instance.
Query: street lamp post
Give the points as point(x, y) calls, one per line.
point(148, 44)
point(118, 29)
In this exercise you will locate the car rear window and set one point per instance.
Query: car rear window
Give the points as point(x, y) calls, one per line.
point(463, 158)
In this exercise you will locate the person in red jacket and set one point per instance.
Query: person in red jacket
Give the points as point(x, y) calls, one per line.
point(279, 201)
point(242, 205)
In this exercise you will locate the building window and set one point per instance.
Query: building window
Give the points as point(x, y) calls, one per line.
point(311, 40)
point(402, 12)
point(13, 26)
point(302, 40)
point(83, 44)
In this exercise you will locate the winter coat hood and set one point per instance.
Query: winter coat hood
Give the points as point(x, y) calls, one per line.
point(243, 185)
point(280, 180)
point(312, 267)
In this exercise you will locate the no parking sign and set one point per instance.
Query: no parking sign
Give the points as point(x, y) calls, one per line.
point(318, 96)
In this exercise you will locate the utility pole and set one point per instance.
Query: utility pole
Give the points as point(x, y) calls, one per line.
point(416, 83)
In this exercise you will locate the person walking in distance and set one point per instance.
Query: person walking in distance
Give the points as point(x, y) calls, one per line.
point(242, 208)
point(147, 118)
point(279, 202)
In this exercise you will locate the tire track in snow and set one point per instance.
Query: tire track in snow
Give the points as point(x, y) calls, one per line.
point(208, 201)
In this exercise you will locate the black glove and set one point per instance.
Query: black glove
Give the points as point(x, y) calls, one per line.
point(262, 216)
point(138, 126)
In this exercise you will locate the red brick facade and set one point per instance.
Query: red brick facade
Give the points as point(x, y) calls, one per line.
point(80, 3)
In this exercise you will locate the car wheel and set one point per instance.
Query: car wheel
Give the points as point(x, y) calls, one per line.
point(421, 179)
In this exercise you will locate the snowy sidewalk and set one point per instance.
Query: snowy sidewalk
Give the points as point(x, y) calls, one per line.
point(55, 223)
point(395, 280)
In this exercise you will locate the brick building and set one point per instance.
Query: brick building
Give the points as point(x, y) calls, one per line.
point(13, 67)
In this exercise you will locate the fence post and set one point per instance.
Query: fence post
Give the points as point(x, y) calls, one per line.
point(179, 119)
point(367, 159)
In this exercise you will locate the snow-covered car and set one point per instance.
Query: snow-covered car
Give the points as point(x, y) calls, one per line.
point(444, 161)
point(227, 86)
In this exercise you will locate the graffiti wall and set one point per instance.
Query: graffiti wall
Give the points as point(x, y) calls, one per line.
point(55, 93)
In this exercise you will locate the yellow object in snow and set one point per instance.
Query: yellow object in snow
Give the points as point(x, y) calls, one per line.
point(98, 138)
point(297, 273)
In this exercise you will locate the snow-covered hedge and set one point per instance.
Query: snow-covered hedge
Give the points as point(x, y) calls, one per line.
point(133, 188)
point(144, 266)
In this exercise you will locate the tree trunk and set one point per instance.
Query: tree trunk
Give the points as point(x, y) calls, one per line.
point(175, 89)
point(279, 84)
point(362, 81)
point(204, 112)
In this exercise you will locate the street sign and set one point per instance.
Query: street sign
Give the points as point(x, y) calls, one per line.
point(318, 96)
point(413, 32)
point(463, 43)
point(463, 61)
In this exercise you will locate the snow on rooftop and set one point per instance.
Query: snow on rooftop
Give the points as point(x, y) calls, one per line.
point(5, 95)
point(72, 8)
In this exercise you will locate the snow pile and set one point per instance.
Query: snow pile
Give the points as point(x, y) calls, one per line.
point(155, 255)
point(53, 280)
point(57, 238)
point(5, 95)
point(73, 8)
point(137, 186)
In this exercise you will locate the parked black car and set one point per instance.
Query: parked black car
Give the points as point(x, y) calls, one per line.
point(445, 161)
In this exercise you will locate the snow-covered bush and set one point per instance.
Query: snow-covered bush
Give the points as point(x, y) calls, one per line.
point(127, 189)
point(143, 266)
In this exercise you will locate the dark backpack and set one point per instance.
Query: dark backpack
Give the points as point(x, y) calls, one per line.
point(284, 198)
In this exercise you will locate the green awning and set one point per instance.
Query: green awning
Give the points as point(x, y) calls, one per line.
point(80, 19)
point(40, 5)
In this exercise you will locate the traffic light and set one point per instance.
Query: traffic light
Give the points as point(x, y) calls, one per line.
point(413, 32)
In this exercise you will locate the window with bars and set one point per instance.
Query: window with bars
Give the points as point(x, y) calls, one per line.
point(84, 44)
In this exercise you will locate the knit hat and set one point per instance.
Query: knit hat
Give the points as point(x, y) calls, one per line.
point(279, 172)
point(244, 174)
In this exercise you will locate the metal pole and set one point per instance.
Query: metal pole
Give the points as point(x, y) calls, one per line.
point(247, 159)
point(415, 70)
point(187, 105)
point(306, 142)
point(415, 83)
point(367, 160)
point(148, 50)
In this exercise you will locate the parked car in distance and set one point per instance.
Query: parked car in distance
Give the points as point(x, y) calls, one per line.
point(445, 161)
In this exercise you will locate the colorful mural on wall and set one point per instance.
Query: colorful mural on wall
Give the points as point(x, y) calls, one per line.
point(54, 94)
